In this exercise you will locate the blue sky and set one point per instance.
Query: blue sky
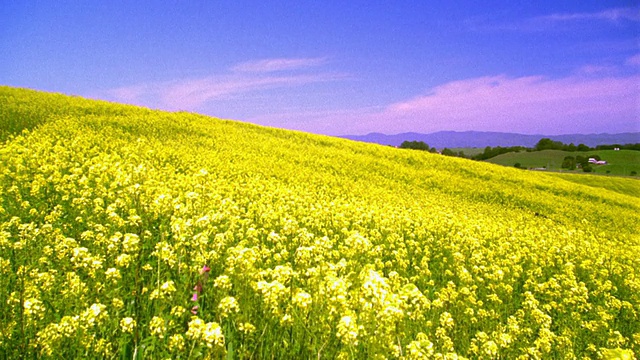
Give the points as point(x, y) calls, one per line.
point(341, 67)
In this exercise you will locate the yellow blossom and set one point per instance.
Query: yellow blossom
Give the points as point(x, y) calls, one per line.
point(127, 324)
point(157, 327)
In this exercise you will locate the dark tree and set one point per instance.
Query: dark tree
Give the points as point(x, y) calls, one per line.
point(583, 147)
point(448, 152)
point(416, 145)
point(490, 152)
point(548, 144)
point(569, 162)
point(571, 147)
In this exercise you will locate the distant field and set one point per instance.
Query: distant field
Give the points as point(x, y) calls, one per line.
point(621, 162)
point(468, 151)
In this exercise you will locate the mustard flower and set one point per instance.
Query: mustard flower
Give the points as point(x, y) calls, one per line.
point(127, 325)
point(157, 327)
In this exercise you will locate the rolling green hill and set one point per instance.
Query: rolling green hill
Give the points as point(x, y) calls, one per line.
point(621, 162)
point(469, 151)
point(132, 233)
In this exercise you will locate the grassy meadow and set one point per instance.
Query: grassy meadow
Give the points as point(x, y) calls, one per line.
point(468, 151)
point(621, 162)
point(131, 233)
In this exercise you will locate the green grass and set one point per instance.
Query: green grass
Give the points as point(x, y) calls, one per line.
point(621, 162)
point(468, 151)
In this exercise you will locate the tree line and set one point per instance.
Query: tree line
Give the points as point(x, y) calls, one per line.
point(543, 144)
point(548, 144)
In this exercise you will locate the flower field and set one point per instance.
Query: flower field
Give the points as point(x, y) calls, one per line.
point(132, 233)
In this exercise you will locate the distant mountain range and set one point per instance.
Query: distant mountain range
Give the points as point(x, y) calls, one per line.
point(455, 139)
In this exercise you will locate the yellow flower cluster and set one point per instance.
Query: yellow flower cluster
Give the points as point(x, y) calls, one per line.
point(127, 324)
point(126, 232)
point(209, 333)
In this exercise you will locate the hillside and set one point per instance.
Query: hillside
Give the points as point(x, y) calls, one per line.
point(128, 232)
point(627, 186)
point(621, 162)
point(481, 139)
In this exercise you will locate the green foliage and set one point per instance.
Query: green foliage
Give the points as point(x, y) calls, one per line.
point(571, 147)
point(548, 144)
point(569, 162)
point(448, 152)
point(490, 152)
point(415, 145)
point(618, 162)
point(467, 152)
point(635, 146)
point(583, 147)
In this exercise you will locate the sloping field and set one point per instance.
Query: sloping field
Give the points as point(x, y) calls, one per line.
point(627, 186)
point(621, 162)
point(131, 233)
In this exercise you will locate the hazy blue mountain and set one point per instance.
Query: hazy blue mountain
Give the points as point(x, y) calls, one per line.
point(454, 139)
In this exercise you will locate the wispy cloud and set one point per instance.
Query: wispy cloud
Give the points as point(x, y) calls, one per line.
point(330, 122)
point(634, 60)
point(529, 104)
point(558, 21)
point(481, 95)
point(270, 65)
point(190, 94)
point(532, 104)
point(610, 15)
point(593, 98)
point(129, 94)
point(596, 70)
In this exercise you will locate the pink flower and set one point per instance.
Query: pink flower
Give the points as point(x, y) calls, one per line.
point(194, 310)
point(205, 269)
point(194, 297)
point(198, 288)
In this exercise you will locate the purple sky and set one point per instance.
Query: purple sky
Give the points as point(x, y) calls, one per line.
point(335, 68)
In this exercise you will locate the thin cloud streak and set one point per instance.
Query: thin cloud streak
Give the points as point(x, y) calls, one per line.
point(330, 122)
point(191, 94)
point(271, 65)
point(558, 21)
point(611, 15)
point(129, 94)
